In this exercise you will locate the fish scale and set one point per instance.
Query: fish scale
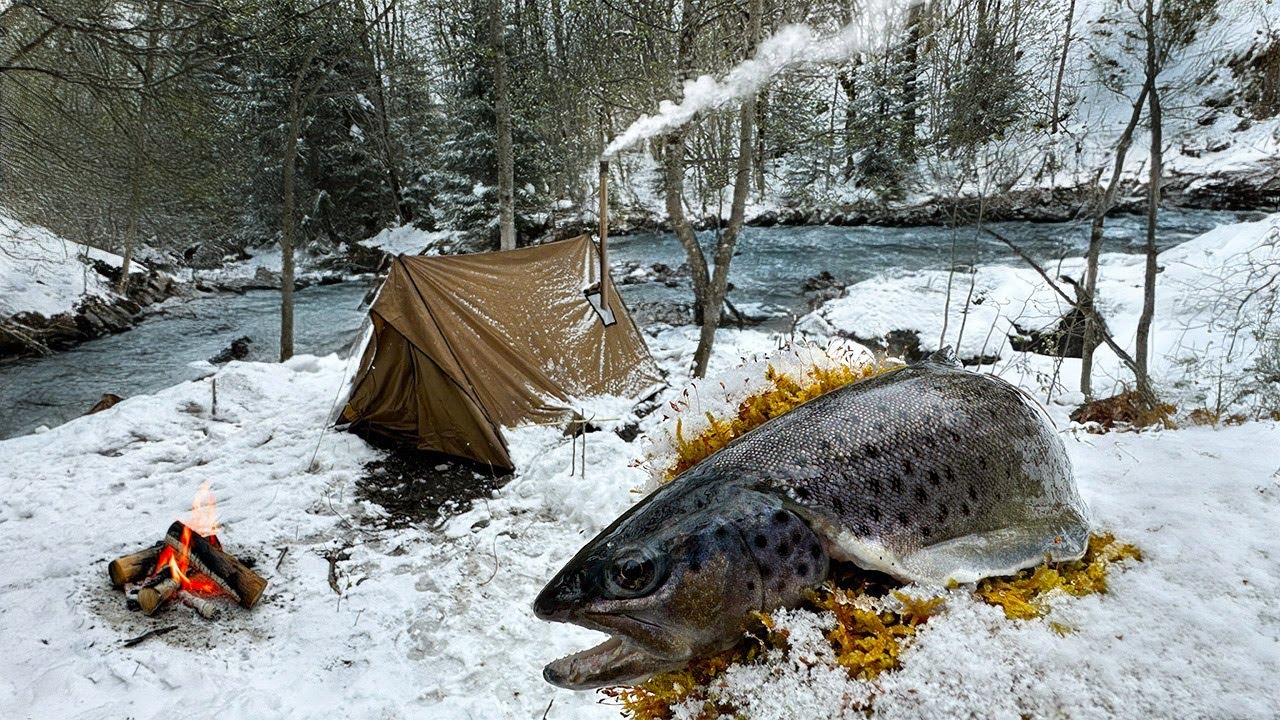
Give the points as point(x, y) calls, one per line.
point(915, 459)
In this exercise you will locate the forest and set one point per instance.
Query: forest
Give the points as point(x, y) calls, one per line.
point(198, 128)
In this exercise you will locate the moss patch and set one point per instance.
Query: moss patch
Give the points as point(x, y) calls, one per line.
point(1027, 594)
point(868, 639)
point(784, 393)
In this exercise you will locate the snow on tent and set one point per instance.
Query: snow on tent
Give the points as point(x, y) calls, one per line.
point(465, 344)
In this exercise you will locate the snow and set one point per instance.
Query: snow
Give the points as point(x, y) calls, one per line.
point(409, 240)
point(43, 273)
point(1215, 297)
point(435, 620)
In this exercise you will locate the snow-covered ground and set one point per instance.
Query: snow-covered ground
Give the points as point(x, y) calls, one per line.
point(409, 240)
point(43, 273)
point(1216, 296)
point(435, 620)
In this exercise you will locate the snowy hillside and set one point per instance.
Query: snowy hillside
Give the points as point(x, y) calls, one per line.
point(46, 274)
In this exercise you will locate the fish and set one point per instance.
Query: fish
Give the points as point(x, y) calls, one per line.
point(930, 473)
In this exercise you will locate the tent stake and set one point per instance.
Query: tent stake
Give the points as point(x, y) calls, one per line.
point(604, 234)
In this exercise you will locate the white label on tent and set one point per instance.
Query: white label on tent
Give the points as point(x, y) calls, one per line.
point(606, 314)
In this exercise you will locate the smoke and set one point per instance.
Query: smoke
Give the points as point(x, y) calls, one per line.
point(792, 46)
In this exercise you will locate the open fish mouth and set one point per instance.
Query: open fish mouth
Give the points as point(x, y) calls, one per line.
point(616, 661)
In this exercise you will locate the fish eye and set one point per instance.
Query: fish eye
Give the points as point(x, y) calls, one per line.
point(633, 573)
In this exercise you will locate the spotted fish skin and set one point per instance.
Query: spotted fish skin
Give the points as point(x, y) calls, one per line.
point(930, 473)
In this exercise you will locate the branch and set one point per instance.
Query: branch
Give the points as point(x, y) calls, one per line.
point(1085, 307)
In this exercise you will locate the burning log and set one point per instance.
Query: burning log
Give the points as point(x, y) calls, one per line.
point(157, 590)
point(132, 568)
point(230, 574)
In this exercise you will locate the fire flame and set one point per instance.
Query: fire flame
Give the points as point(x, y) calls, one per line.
point(203, 519)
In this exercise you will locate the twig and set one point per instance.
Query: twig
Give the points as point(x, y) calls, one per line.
point(333, 557)
point(544, 712)
point(283, 553)
point(150, 634)
point(495, 563)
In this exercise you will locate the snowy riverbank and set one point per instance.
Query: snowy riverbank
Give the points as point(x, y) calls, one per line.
point(55, 293)
point(435, 620)
point(1216, 299)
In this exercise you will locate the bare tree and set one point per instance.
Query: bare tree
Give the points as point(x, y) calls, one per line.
point(1155, 122)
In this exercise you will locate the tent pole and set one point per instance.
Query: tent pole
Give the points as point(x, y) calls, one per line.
point(604, 233)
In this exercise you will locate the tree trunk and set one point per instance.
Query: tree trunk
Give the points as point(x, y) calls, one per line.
point(1062, 66)
point(131, 227)
point(1105, 203)
point(502, 111)
point(1155, 122)
point(673, 149)
point(673, 191)
point(728, 241)
point(365, 27)
point(138, 134)
point(287, 213)
point(729, 238)
point(911, 59)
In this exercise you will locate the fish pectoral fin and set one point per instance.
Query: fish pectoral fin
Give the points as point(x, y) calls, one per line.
point(616, 661)
point(999, 552)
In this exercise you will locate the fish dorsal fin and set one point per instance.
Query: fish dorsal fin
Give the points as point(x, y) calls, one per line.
point(945, 356)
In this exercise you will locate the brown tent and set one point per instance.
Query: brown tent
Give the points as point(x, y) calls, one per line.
point(465, 344)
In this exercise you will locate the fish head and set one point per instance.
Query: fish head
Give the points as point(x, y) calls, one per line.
point(668, 582)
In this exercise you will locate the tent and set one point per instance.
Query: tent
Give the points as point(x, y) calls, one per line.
point(463, 345)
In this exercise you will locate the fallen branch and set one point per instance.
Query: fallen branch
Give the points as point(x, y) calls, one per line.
point(149, 634)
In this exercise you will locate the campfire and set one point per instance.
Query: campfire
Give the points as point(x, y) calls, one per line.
point(189, 566)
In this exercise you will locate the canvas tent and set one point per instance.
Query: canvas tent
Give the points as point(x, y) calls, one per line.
point(463, 345)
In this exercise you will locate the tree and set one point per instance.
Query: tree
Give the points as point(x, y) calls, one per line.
point(502, 116)
point(711, 287)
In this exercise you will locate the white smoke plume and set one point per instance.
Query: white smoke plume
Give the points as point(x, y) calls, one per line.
point(792, 46)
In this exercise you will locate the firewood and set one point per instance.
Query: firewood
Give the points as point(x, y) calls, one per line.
point(132, 568)
point(230, 574)
point(151, 598)
point(208, 609)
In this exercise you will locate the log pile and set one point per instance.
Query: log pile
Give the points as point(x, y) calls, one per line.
point(186, 567)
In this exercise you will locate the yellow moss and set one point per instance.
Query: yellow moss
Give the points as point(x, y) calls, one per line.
point(1025, 595)
point(869, 642)
point(784, 394)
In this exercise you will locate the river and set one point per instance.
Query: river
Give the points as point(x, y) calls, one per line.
point(768, 270)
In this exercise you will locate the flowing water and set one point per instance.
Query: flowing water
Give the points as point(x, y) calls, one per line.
point(162, 350)
point(768, 270)
point(771, 264)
